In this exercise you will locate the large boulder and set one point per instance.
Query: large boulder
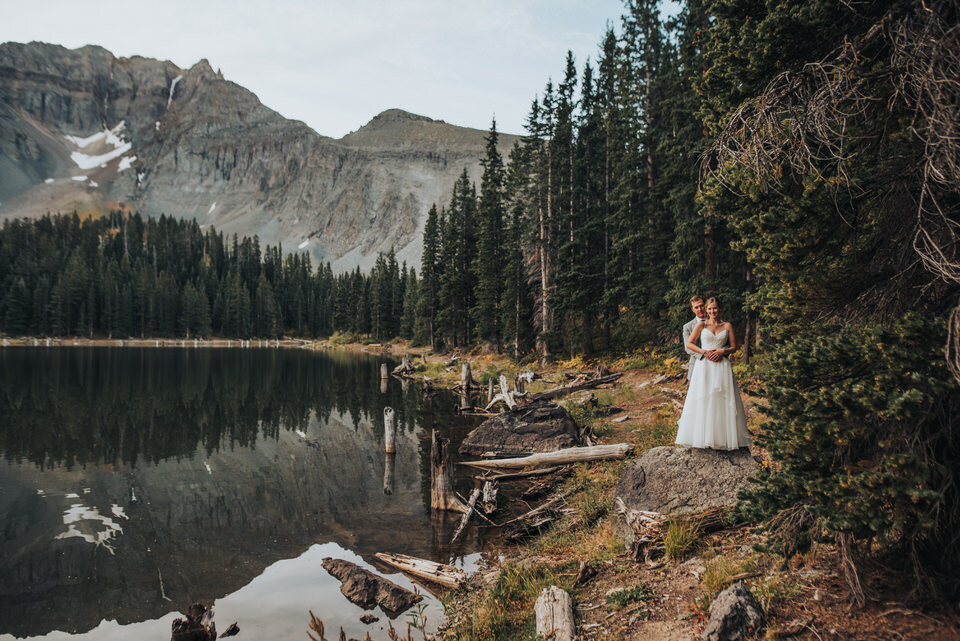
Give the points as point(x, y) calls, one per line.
point(734, 615)
point(542, 427)
point(679, 480)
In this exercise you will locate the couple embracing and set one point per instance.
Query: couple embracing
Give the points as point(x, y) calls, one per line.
point(713, 415)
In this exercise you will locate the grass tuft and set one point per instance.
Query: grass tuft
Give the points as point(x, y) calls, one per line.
point(626, 596)
point(681, 539)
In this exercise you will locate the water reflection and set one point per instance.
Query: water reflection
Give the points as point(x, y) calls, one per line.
point(136, 481)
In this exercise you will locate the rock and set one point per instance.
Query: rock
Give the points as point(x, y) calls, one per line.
point(369, 618)
point(734, 615)
point(231, 631)
point(542, 427)
point(366, 589)
point(678, 480)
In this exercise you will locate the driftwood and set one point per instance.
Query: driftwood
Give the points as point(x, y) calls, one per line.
point(471, 505)
point(442, 496)
point(368, 590)
point(579, 383)
point(488, 497)
point(445, 575)
point(533, 521)
point(649, 528)
point(454, 359)
point(544, 485)
point(554, 611)
point(506, 393)
point(568, 455)
point(509, 476)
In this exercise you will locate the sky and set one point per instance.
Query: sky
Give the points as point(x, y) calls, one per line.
point(336, 64)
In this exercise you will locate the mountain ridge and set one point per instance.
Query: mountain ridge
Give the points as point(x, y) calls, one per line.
point(192, 144)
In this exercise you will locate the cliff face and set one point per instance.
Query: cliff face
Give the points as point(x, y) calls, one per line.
point(83, 130)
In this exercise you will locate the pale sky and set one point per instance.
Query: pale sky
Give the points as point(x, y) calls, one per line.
point(335, 65)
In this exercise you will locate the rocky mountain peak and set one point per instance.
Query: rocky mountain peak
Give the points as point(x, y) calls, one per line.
point(82, 130)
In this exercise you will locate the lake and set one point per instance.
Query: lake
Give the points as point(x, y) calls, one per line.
point(136, 481)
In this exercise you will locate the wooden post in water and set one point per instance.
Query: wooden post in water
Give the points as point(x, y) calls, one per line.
point(389, 465)
point(465, 381)
point(384, 372)
point(490, 391)
point(442, 496)
point(389, 430)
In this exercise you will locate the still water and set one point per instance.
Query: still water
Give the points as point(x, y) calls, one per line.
point(136, 481)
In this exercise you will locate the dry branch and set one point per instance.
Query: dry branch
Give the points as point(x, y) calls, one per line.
point(569, 455)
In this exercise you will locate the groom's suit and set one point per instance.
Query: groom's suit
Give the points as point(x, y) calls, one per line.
point(694, 357)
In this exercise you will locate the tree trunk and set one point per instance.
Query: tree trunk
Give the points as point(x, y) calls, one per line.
point(471, 505)
point(445, 575)
point(442, 496)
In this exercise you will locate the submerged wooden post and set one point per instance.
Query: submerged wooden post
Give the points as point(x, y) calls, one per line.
point(389, 465)
point(384, 372)
point(466, 376)
point(442, 496)
point(389, 430)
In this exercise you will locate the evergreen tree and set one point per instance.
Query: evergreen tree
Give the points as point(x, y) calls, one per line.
point(488, 262)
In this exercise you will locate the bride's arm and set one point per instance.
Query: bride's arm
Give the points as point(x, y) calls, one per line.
point(692, 341)
point(733, 347)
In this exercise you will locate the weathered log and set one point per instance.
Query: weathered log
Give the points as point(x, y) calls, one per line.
point(471, 505)
point(554, 611)
point(490, 392)
point(569, 455)
point(508, 476)
point(389, 430)
point(384, 374)
point(465, 404)
point(454, 359)
point(442, 496)
point(367, 590)
point(544, 485)
point(466, 375)
point(575, 386)
point(445, 575)
point(518, 383)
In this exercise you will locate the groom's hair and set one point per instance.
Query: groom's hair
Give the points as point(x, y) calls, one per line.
point(696, 299)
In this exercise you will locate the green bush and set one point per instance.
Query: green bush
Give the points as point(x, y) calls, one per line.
point(862, 438)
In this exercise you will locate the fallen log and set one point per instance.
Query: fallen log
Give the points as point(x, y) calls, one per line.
point(445, 575)
point(554, 611)
point(367, 590)
point(471, 505)
point(442, 496)
point(569, 455)
point(575, 386)
point(509, 476)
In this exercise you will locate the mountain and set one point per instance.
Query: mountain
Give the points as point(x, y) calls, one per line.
point(82, 130)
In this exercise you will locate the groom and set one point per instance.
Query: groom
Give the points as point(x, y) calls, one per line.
point(699, 309)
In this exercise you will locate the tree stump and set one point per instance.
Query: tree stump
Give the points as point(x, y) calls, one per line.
point(554, 610)
point(442, 496)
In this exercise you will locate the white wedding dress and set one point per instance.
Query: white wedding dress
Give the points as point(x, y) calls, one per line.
point(713, 415)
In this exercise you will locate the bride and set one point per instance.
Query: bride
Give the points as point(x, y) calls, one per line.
point(713, 415)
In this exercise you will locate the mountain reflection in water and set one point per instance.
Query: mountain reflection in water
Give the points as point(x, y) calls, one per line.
point(136, 481)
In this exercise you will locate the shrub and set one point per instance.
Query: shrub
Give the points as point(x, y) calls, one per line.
point(626, 596)
point(862, 437)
